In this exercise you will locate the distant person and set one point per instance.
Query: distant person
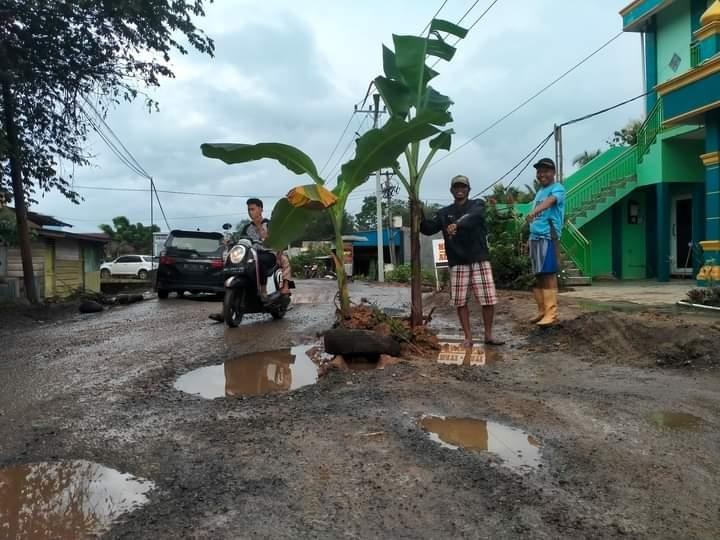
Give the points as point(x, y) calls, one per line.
point(463, 227)
point(546, 222)
point(258, 230)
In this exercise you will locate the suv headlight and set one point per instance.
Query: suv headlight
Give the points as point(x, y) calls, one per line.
point(237, 254)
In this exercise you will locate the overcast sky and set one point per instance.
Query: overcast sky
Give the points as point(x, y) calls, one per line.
point(291, 72)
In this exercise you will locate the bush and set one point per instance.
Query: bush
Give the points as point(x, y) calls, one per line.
point(298, 262)
point(402, 274)
point(507, 237)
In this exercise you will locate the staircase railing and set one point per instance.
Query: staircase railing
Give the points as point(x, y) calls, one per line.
point(648, 132)
point(622, 167)
point(578, 248)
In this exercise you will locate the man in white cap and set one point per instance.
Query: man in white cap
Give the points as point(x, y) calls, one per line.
point(463, 227)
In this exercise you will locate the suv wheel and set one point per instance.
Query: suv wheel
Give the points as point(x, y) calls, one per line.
point(105, 273)
point(163, 294)
point(143, 274)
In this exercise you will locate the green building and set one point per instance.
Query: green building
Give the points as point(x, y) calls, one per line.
point(649, 210)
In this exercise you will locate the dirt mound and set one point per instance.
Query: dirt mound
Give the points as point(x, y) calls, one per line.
point(640, 340)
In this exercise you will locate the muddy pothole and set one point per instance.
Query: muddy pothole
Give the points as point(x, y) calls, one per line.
point(515, 448)
point(676, 420)
point(66, 499)
point(252, 375)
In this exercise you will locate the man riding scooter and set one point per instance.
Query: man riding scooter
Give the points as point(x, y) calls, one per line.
point(257, 230)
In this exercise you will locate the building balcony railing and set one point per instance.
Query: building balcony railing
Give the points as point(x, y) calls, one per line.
point(694, 54)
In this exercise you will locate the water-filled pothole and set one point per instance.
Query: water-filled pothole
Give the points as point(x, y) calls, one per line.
point(514, 447)
point(66, 499)
point(675, 420)
point(454, 353)
point(252, 375)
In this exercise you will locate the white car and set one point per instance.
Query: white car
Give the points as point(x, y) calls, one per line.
point(129, 265)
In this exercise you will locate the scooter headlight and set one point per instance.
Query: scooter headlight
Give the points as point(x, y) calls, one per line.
point(237, 254)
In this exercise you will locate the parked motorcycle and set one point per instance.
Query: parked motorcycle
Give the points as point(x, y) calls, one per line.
point(242, 294)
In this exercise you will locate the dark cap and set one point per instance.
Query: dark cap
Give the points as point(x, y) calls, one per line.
point(545, 163)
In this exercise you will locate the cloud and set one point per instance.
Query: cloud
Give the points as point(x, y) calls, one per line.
point(291, 72)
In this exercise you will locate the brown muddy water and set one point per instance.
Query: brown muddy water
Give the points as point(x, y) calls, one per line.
point(676, 420)
point(66, 499)
point(252, 375)
point(514, 447)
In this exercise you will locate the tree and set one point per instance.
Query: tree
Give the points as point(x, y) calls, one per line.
point(626, 136)
point(321, 227)
point(367, 217)
point(56, 59)
point(586, 157)
point(408, 97)
point(126, 237)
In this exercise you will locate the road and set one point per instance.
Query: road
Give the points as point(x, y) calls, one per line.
point(585, 451)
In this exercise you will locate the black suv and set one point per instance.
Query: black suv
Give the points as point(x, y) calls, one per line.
point(191, 261)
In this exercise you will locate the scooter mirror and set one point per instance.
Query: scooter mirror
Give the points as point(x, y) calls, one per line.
point(227, 226)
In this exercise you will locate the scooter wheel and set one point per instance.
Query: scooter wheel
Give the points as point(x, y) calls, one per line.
point(232, 308)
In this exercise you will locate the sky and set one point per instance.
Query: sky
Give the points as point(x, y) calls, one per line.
point(291, 72)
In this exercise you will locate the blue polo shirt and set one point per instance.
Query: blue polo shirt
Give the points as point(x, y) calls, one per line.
point(540, 226)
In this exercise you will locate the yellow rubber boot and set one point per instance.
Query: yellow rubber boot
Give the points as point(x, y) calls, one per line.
point(550, 317)
point(540, 301)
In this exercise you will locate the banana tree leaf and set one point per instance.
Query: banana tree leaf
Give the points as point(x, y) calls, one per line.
point(441, 25)
point(410, 52)
point(312, 197)
point(436, 101)
point(288, 224)
point(437, 47)
point(389, 65)
point(289, 156)
point(443, 140)
point(379, 148)
point(397, 97)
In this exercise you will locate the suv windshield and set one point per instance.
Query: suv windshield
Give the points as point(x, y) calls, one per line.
point(206, 246)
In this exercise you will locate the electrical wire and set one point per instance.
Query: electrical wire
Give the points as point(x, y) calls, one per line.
point(337, 144)
point(528, 100)
point(527, 159)
point(492, 4)
point(336, 168)
point(603, 111)
point(435, 16)
point(157, 197)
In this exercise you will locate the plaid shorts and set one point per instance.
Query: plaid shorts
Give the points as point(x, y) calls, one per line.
point(479, 276)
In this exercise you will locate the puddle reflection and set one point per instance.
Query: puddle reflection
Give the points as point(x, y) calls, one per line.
point(517, 449)
point(252, 375)
point(68, 499)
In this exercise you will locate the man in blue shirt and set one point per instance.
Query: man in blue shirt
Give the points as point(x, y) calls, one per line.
point(546, 223)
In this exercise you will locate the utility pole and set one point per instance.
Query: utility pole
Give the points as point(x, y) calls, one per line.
point(375, 110)
point(389, 191)
point(559, 152)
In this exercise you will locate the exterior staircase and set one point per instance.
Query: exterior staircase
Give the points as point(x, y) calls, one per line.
point(590, 197)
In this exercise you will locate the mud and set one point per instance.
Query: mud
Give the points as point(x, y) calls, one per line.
point(345, 457)
point(66, 499)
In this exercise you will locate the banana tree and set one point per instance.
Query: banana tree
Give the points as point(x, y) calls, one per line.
point(376, 149)
point(407, 95)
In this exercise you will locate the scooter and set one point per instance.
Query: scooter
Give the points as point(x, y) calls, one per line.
point(242, 293)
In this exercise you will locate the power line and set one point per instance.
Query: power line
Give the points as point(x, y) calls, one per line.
point(337, 167)
point(191, 193)
point(157, 197)
point(492, 4)
point(433, 17)
point(528, 100)
point(337, 144)
point(527, 157)
point(603, 111)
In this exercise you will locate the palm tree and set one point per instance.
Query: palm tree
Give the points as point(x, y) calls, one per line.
point(586, 157)
point(627, 136)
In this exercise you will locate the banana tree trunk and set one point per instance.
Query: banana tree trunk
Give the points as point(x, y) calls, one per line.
point(416, 307)
point(340, 271)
